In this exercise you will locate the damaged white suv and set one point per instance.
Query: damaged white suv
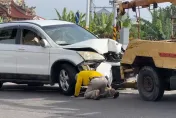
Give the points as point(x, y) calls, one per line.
point(38, 52)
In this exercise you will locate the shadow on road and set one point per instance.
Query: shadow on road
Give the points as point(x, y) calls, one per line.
point(44, 100)
point(27, 92)
point(49, 101)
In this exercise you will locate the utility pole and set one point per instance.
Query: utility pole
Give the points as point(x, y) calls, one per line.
point(87, 14)
point(113, 2)
point(115, 21)
point(172, 24)
point(91, 7)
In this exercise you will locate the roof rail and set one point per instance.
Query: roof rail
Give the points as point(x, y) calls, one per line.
point(20, 22)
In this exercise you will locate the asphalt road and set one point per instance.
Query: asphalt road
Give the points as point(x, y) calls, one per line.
point(46, 102)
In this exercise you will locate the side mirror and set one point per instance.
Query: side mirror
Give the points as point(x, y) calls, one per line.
point(44, 43)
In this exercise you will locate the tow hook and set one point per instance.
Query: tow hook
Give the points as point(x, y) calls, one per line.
point(126, 84)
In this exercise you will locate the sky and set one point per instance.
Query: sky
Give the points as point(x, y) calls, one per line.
point(46, 8)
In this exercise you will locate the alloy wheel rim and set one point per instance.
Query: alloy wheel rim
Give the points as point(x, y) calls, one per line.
point(64, 78)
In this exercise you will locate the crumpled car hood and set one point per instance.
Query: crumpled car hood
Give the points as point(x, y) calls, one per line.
point(102, 46)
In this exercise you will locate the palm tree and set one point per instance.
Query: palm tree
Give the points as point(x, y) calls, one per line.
point(70, 16)
point(125, 21)
point(1, 20)
point(101, 25)
point(160, 26)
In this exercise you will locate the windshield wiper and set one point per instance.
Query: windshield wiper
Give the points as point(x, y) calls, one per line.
point(63, 44)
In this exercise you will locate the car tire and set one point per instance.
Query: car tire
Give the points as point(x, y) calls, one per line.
point(66, 79)
point(149, 85)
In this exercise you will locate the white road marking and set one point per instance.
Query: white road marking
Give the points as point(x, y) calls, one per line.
point(128, 91)
point(87, 114)
point(78, 98)
point(70, 109)
point(9, 83)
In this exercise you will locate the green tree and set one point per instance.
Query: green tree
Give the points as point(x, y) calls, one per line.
point(70, 16)
point(1, 20)
point(101, 25)
point(159, 28)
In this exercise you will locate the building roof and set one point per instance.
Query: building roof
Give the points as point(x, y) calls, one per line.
point(15, 11)
point(44, 22)
point(38, 18)
point(5, 1)
point(105, 11)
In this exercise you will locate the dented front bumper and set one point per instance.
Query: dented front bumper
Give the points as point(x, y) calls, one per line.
point(111, 70)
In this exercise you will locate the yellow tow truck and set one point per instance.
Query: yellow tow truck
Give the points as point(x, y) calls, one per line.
point(154, 62)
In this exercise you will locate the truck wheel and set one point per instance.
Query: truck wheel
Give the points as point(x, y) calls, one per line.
point(67, 79)
point(150, 86)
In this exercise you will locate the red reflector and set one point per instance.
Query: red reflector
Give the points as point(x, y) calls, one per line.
point(167, 55)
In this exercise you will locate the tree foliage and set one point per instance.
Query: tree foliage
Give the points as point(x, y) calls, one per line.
point(159, 28)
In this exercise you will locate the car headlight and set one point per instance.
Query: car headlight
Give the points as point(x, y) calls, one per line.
point(91, 55)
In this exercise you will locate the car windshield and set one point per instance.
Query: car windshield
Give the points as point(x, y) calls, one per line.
point(68, 34)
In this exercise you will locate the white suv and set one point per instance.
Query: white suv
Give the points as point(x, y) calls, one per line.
point(38, 52)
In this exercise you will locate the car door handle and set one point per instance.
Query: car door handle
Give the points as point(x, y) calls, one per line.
point(21, 49)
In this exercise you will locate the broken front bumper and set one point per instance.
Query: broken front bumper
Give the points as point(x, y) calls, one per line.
point(115, 67)
point(111, 70)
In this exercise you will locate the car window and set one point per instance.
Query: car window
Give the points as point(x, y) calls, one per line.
point(30, 38)
point(8, 36)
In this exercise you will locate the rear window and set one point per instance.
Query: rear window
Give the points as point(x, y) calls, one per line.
point(8, 36)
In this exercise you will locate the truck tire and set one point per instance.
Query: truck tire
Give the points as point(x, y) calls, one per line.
point(150, 86)
point(66, 77)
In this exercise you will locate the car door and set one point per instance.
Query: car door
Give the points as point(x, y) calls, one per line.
point(8, 48)
point(32, 59)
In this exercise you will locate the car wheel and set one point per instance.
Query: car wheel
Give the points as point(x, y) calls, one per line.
point(67, 79)
point(149, 85)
